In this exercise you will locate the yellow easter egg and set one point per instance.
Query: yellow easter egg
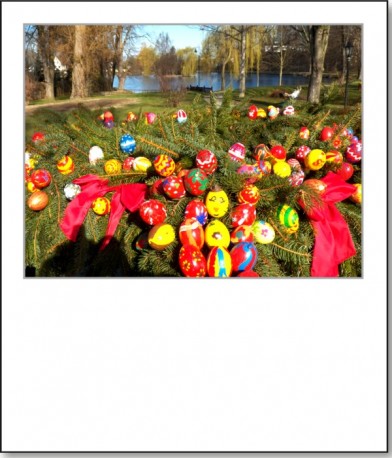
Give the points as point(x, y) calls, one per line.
point(357, 196)
point(161, 236)
point(315, 160)
point(216, 234)
point(217, 202)
point(112, 166)
point(263, 232)
point(282, 169)
point(101, 206)
point(141, 164)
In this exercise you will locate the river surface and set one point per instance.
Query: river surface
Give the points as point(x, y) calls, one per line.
point(151, 83)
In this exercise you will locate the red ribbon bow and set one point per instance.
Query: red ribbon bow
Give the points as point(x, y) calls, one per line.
point(333, 242)
point(127, 196)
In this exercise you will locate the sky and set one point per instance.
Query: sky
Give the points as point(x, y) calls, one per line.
point(181, 36)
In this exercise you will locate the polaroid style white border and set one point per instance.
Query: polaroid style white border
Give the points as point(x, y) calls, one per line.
point(160, 365)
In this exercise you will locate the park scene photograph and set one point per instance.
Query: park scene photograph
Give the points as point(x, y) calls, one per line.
point(193, 151)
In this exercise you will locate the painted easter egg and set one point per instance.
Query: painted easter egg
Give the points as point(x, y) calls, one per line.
point(95, 154)
point(127, 144)
point(326, 134)
point(316, 185)
point(243, 214)
point(196, 209)
point(161, 236)
point(141, 164)
point(217, 202)
point(288, 217)
point(345, 171)
point(206, 161)
point(264, 233)
point(304, 133)
point(127, 164)
point(237, 152)
point(65, 165)
point(249, 171)
point(282, 169)
point(315, 160)
point(164, 165)
point(101, 206)
point(261, 152)
point(278, 152)
point(181, 116)
point(173, 187)
point(250, 194)
point(243, 256)
point(334, 156)
point(302, 152)
point(216, 234)
point(248, 273)
point(354, 152)
point(252, 112)
point(192, 262)
point(242, 234)
point(191, 232)
point(196, 182)
point(112, 166)
point(41, 178)
point(152, 212)
point(141, 242)
point(219, 262)
point(265, 167)
point(357, 195)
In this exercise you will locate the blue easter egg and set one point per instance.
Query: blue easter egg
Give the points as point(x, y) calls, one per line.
point(127, 144)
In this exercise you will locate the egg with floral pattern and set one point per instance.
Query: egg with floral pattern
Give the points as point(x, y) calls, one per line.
point(192, 262)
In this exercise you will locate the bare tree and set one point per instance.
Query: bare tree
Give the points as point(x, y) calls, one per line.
point(79, 80)
point(46, 54)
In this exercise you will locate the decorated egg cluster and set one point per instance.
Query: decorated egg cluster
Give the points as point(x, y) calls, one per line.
point(224, 230)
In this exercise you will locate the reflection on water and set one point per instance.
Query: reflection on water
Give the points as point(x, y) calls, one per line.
point(151, 83)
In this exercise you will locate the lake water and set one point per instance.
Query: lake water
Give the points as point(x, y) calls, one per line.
point(151, 83)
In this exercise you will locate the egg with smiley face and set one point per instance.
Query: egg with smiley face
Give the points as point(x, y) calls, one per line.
point(217, 202)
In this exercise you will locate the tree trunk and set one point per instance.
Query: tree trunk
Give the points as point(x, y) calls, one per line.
point(318, 46)
point(79, 82)
point(47, 59)
point(223, 72)
point(242, 62)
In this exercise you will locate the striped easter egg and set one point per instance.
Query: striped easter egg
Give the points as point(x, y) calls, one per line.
point(164, 165)
point(288, 217)
point(219, 262)
point(191, 232)
point(243, 256)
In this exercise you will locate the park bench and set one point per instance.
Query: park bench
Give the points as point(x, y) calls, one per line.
point(199, 88)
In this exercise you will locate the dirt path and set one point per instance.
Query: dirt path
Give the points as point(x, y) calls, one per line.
point(92, 104)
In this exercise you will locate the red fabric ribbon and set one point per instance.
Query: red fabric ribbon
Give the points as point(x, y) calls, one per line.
point(127, 196)
point(333, 242)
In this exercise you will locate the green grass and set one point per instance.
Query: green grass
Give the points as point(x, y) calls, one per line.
point(158, 103)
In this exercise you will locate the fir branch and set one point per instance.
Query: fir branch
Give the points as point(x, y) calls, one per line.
point(155, 145)
point(297, 253)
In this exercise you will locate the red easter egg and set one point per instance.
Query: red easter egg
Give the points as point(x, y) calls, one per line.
point(248, 273)
point(191, 232)
point(157, 187)
point(127, 165)
point(304, 133)
point(192, 261)
point(252, 112)
point(108, 116)
point(337, 143)
point(243, 256)
point(38, 136)
point(243, 214)
point(174, 187)
point(250, 194)
point(242, 234)
point(41, 178)
point(206, 161)
point(302, 152)
point(354, 152)
point(326, 134)
point(197, 209)
point(196, 182)
point(237, 152)
point(152, 212)
point(346, 171)
point(278, 152)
